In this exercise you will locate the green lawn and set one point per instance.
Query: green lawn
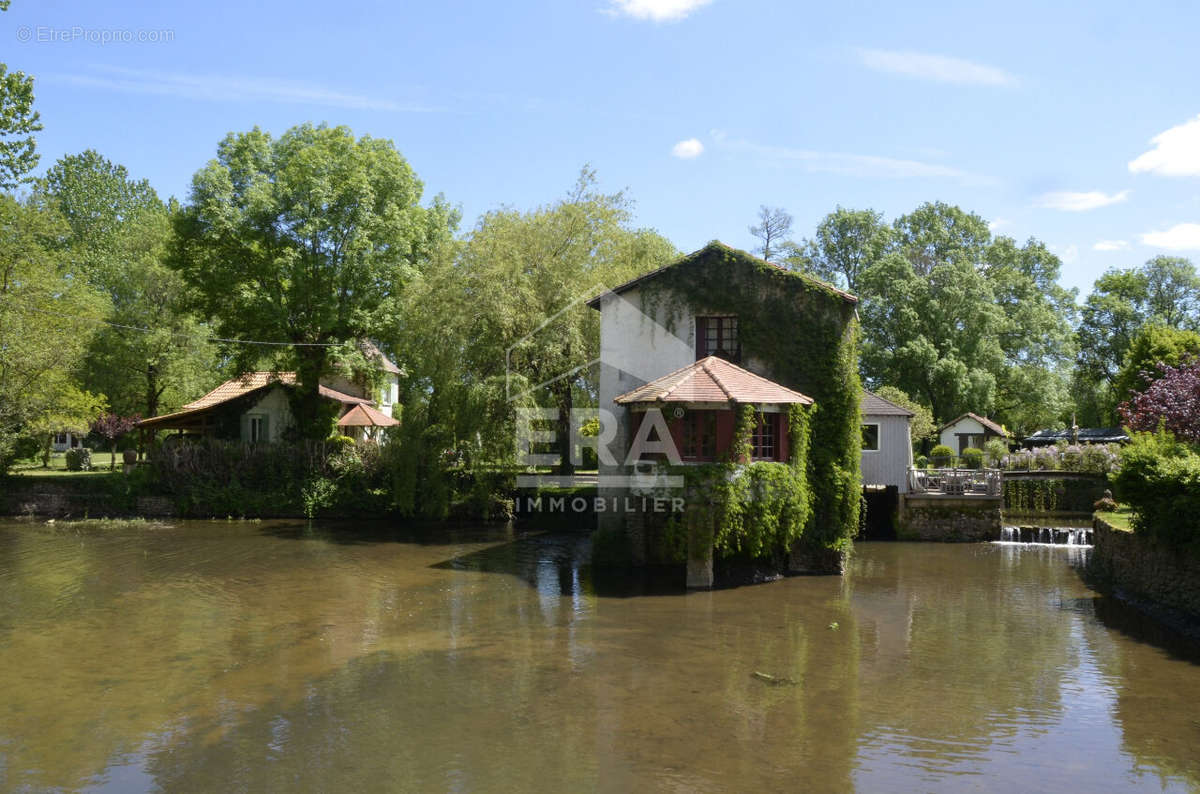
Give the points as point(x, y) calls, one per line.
point(58, 466)
point(1120, 519)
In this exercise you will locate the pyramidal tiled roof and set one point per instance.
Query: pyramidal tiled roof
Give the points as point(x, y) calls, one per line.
point(713, 380)
point(366, 416)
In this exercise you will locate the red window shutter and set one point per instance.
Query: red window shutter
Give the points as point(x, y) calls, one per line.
point(701, 331)
point(724, 432)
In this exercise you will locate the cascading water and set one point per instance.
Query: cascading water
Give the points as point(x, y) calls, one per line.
point(1046, 536)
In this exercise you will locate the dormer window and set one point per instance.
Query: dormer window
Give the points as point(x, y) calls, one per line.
point(718, 336)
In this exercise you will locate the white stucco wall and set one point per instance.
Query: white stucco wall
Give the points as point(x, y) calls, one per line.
point(275, 408)
point(388, 394)
point(889, 465)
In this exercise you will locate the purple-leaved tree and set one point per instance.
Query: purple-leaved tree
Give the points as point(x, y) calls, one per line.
point(1172, 400)
point(112, 427)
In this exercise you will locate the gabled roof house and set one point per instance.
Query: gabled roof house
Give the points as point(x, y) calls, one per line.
point(254, 407)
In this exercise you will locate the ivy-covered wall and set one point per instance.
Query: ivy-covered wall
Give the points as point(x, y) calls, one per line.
point(802, 334)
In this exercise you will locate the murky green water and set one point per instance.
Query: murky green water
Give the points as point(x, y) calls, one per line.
point(268, 657)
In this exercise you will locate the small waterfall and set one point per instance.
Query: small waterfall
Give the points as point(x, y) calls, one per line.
point(1047, 536)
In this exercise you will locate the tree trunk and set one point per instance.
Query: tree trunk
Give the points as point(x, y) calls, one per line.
point(312, 413)
point(152, 391)
point(565, 401)
point(46, 450)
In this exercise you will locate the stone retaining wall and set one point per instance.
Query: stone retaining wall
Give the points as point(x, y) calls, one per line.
point(42, 496)
point(1142, 569)
point(949, 519)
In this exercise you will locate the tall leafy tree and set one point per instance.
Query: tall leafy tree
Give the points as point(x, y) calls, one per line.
point(18, 123)
point(846, 243)
point(1036, 335)
point(307, 238)
point(1154, 348)
point(951, 316)
point(44, 319)
point(1164, 291)
point(1172, 292)
point(152, 353)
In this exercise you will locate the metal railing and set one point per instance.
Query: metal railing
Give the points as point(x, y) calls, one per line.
point(956, 482)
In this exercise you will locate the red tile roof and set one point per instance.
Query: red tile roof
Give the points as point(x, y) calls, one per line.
point(366, 416)
point(238, 387)
point(983, 420)
point(713, 380)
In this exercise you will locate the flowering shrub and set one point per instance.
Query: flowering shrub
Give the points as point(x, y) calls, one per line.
point(1083, 458)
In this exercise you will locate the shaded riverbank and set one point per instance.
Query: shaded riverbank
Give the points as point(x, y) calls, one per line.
point(283, 655)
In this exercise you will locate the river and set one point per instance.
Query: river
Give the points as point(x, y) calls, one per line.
point(279, 656)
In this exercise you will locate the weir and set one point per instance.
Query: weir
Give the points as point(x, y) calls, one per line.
point(1049, 536)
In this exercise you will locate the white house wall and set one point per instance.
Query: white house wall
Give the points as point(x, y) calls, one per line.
point(278, 412)
point(967, 426)
point(890, 463)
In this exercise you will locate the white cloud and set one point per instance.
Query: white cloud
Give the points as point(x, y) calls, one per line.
point(1180, 237)
point(859, 165)
point(688, 149)
point(1110, 245)
point(1176, 152)
point(656, 10)
point(998, 223)
point(939, 68)
point(228, 88)
point(1070, 201)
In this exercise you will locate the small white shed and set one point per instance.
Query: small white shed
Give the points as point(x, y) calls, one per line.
point(887, 442)
point(969, 430)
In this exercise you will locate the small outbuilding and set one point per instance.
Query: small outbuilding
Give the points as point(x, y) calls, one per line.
point(886, 442)
point(970, 431)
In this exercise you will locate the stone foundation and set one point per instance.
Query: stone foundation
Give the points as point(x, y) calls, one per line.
point(949, 519)
point(1143, 570)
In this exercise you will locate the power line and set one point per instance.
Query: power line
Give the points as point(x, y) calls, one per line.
point(220, 339)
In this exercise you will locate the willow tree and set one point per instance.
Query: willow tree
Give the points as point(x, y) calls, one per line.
point(524, 276)
point(307, 239)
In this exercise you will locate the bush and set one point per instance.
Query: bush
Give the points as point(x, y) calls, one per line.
point(79, 459)
point(994, 451)
point(941, 455)
point(1159, 478)
point(972, 458)
point(922, 462)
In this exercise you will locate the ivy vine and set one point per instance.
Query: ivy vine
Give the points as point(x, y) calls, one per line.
point(803, 334)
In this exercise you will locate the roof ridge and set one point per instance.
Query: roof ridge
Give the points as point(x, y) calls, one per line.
point(889, 402)
point(715, 378)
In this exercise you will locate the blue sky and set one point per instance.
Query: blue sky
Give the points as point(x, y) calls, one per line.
point(1077, 125)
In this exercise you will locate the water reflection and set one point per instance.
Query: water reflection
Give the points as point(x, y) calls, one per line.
point(283, 656)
